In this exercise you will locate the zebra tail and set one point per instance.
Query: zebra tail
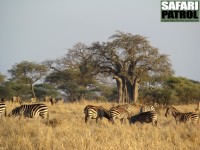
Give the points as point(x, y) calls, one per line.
point(48, 115)
point(5, 112)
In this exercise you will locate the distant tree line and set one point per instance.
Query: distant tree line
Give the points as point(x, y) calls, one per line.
point(126, 68)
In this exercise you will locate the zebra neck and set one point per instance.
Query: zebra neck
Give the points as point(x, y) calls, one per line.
point(175, 113)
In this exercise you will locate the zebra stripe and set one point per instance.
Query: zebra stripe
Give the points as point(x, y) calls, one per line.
point(3, 109)
point(95, 112)
point(147, 108)
point(145, 117)
point(182, 117)
point(31, 111)
point(118, 113)
point(125, 106)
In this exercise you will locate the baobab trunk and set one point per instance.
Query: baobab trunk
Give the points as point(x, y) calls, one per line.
point(119, 87)
point(135, 92)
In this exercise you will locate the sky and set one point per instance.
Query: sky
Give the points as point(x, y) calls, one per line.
point(35, 30)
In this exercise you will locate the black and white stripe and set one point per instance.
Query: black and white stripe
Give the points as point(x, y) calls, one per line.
point(3, 109)
point(95, 112)
point(182, 117)
point(145, 117)
point(118, 113)
point(31, 111)
point(146, 108)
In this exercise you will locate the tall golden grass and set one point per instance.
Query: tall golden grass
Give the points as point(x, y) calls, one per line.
point(66, 130)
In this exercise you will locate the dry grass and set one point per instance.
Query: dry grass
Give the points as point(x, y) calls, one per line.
point(66, 130)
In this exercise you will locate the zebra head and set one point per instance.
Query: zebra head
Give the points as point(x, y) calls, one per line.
point(133, 119)
point(15, 112)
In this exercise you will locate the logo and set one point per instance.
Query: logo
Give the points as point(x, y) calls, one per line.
point(180, 11)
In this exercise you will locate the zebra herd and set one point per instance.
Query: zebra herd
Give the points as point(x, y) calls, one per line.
point(147, 114)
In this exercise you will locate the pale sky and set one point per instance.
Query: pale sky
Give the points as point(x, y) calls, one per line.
point(37, 30)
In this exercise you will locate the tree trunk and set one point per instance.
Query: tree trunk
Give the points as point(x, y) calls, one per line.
point(127, 91)
point(32, 89)
point(135, 91)
point(119, 87)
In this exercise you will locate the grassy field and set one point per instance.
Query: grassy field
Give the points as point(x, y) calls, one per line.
point(66, 130)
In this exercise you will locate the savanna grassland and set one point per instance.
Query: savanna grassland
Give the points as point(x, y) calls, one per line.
point(66, 130)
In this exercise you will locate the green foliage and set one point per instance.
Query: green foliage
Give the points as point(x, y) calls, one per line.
point(13, 88)
point(171, 90)
point(187, 91)
point(72, 81)
point(45, 89)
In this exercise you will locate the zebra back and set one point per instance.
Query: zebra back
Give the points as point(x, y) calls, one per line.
point(3, 109)
point(145, 117)
point(125, 106)
point(146, 108)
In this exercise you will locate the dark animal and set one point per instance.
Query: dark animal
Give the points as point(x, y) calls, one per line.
point(145, 117)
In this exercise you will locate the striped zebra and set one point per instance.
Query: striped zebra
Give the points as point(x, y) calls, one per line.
point(182, 117)
point(3, 109)
point(145, 117)
point(125, 106)
point(146, 108)
point(31, 111)
point(118, 113)
point(95, 112)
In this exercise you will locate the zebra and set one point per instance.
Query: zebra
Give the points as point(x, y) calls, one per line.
point(3, 109)
point(182, 117)
point(146, 108)
point(118, 113)
point(95, 112)
point(31, 111)
point(125, 106)
point(145, 117)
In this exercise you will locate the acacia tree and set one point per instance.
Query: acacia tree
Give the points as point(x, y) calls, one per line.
point(28, 73)
point(128, 59)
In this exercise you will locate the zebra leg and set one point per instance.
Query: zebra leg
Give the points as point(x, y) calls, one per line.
point(122, 120)
point(155, 123)
point(97, 120)
point(112, 120)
